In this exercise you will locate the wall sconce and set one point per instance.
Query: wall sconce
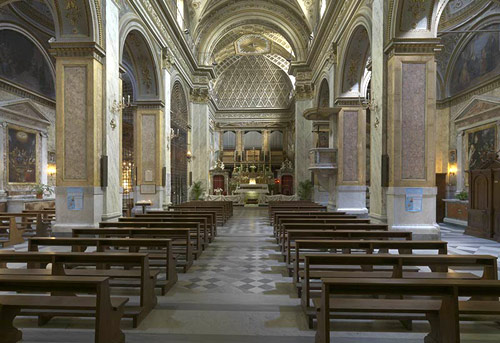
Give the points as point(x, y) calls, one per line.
point(116, 108)
point(189, 155)
point(51, 169)
point(452, 170)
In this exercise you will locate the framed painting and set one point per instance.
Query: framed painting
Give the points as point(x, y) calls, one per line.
point(480, 141)
point(22, 161)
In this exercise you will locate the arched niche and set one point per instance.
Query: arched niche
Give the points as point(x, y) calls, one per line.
point(252, 140)
point(354, 66)
point(276, 141)
point(324, 94)
point(229, 140)
point(138, 58)
point(179, 123)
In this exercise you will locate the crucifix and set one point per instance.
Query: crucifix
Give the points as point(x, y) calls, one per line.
point(317, 132)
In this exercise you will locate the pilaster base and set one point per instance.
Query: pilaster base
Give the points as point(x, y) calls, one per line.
point(422, 224)
point(71, 216)
point(156, 199)
point(352, 199)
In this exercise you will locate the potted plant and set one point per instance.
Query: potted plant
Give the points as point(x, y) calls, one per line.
point(196, 190)
point(305, 190)
point(40, 189)
point(463, 195)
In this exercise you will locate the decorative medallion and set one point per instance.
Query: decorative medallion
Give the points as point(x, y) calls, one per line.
point(252, 45)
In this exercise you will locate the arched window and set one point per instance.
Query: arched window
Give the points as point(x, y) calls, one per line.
point(276, 141)
point(229, 140)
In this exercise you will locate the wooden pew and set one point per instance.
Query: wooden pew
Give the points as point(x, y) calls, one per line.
point(205, 229)
point(356, 226)
point(294, 235)
point(107, 310)
point(15, 226)
point(47, 214)
point(65, 263)
point(221, 214)
point(295, 208)
point(181, 238)
point(321, 266)
point(210, 217)
point(305, 213)
point(367, 246)
point(283, 220)
point(443, 313)
point(296, 215)
point(195, 230)
point(80, 244)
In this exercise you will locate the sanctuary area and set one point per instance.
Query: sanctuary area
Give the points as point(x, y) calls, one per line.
point(249, 171)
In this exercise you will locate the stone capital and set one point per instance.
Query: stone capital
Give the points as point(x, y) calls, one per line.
point(200, 95)
point(77, 49)
point(413, 47)
point(304, 91)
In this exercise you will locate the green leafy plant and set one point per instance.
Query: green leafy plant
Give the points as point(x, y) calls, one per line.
point(197, 190)
point(463, 195)
point(40, 189)
point(305, 190)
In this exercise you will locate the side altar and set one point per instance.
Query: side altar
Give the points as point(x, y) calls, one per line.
point(253, 193)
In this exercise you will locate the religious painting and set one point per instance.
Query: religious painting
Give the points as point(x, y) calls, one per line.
point(22, 63)
point(480, 141)
point(478, 62)
point(452, 156)
point(22, 160)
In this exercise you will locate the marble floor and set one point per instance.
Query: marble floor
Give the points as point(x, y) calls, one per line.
point(238, 291)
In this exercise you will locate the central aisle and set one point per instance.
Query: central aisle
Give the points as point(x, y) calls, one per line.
point(236, 292)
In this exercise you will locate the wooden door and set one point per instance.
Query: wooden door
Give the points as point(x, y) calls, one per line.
point(480, 201)
point(441, 194)
point(286, 184)
point(219, 183)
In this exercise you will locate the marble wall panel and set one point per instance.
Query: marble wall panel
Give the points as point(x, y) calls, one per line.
point(413, 114)
point(75, 122)
point(350, 146)
point(148, 147)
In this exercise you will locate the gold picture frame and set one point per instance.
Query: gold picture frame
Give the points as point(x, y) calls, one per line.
point(479, 150)
point(19, 129)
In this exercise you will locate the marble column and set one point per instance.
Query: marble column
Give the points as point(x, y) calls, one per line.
point(351, 180)
point(411, 140)
point(3, 194)
point(149, 153)
point(378, 208)
point(112, 204)
point(200, 129)
point(79, 123)
point(303, 135)
point(167, 157)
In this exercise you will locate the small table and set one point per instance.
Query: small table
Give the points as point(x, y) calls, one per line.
point(144, 204)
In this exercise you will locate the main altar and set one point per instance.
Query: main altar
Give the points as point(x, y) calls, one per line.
point(252, 193)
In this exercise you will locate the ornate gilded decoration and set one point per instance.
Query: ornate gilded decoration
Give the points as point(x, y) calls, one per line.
point(72, 14)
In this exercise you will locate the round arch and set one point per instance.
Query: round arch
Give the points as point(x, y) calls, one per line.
point(324, 94)
point(354, 77)
point(210, 30)
point(137, 50)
